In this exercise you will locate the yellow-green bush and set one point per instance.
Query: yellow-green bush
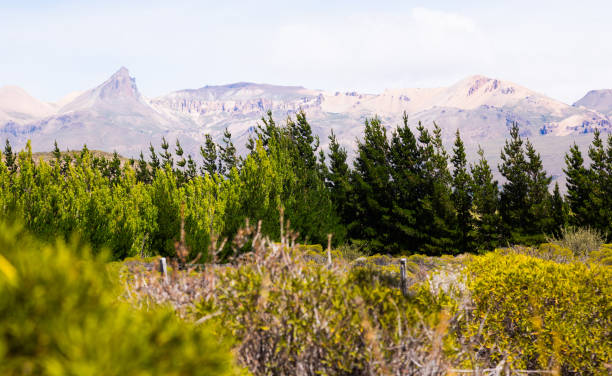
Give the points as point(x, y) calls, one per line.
point(603, 255)
point(541, 314)
point(59, 315)
point(293, 316)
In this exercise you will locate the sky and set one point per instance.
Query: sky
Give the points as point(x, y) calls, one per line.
point(51, 48)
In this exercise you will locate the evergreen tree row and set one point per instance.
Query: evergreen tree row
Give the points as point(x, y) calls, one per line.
point(402, 193)
point(402, 196)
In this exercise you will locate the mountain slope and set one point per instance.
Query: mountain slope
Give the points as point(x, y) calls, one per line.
point(16, 105)
point(111, 116)
point(483, 108)
point(597, 100)
point(116, 116)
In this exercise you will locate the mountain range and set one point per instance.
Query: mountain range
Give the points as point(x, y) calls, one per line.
point(116, 116)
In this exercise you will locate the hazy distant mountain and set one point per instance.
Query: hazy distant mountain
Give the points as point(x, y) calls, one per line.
point(18, 106)
point(115, 116)
point(111, 116)
point(598, 100)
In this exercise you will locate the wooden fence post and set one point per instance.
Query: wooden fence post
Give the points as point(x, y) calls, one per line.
point(163, 268)
point(329, 257)
point(403, 282)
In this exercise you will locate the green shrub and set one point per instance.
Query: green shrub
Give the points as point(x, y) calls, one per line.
point(541, 314)
point(351, 252)
point(294, 316)
point(580, 240)
point(318, 248)
point(59, 315)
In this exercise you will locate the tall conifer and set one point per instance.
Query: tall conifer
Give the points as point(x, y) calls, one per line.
point(558, 212)
point(514, 194)
point(166, 156)
point(142, 171)
point(305, 142)
point(405, 167)
point(579, 188)
point(10, 158)
point(227, 154)
point(487, 220)
point(599, 179)
point(155, 164)
point(57, 154)
point(539, 220)
point(209, 154)
point(371, 203)
point(462, 195)
point(338, 178)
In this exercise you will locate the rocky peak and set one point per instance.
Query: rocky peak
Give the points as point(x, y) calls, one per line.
point(119, 84)
point(477, 82)
point(119, 91)
point(482, 85)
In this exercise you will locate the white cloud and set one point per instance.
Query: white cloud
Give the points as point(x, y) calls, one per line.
point(376, 50)
point(355, 45)
point(444, 22)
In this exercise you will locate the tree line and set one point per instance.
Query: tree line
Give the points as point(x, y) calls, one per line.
point(402, 193)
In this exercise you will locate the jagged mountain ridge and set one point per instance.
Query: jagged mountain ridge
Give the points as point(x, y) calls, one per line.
point(116, 116)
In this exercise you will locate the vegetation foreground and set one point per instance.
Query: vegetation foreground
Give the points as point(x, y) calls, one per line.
point(81, 293)
point(403, 194)
point(286, 309)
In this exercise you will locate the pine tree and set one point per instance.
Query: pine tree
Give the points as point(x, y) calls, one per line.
point(264, 131)
point(192, 170)
point(179, 153)
point(155, 164)
point(539, 220)
point(438, 200)
point(405, 166)
point(98, 163)
point(167, 161)
point(142, 171)
point(485, 205)
point(558, 212)
point(608, 187)
point(306, 144)
point(426, 212)
point(578, 189)
point(371, 203)
point(10, 158)
point(462, 195)
point(181, 163)
point(83, 154)
point(599, 179)
point(309, 201)
point(322, 166)
point(209, 154)
point(227, 154)
point(338, 178)
point(514, 194)
point(57, 154)
point(66, 162)
point(114, 169)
